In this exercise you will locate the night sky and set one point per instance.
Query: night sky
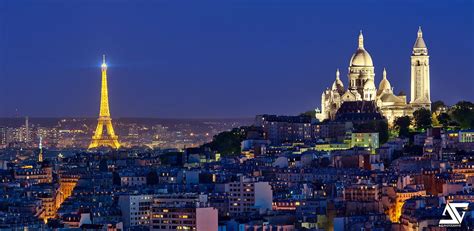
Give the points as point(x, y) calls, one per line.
point(215, 59)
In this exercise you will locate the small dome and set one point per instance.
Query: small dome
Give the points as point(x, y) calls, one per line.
point(384, 85)
point(338, 85)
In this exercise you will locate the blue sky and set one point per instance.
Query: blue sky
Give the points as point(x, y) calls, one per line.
point(203, 59)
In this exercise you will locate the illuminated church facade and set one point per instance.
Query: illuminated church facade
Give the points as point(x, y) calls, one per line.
point(361, 85)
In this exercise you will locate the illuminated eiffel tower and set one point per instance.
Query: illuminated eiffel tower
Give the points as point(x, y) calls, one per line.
point(100, 138)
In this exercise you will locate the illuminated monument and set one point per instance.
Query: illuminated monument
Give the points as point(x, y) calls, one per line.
point(420, 74)
point(101, 138)
point(361, 76)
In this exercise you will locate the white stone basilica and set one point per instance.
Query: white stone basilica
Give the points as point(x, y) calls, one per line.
point(362, 85)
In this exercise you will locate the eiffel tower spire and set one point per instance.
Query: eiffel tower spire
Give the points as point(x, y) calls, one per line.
point(108, 138)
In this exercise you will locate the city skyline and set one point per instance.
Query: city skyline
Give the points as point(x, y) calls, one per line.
point(275, 46)
point(294, 115)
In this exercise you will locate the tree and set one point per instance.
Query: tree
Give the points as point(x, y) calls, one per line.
point(422, 118)
point(382, 127)
point(437, 106)
point(228, 142)
point(402, 124)
point(463, 114)
point(444, 119)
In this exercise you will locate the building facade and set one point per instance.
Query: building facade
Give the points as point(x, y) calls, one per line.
point(247, 196)
point(280, 129)
point(136, 209)
point(365, 139)
point(183, 212)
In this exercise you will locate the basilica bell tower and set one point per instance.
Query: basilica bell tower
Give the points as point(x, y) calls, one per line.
point(420, 74)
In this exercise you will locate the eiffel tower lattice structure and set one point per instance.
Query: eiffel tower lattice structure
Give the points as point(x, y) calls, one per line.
point(105, 138)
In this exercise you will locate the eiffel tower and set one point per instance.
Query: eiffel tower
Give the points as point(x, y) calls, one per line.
point(100, 138)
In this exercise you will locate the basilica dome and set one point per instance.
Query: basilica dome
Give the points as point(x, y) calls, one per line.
point(361, 58)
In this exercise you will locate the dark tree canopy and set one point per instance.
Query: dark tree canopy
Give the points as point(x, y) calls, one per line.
point(422, 119)
point(437, 105)
point(463, 114)
point(402, 124)
point(228, 142)
point(444, 119)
